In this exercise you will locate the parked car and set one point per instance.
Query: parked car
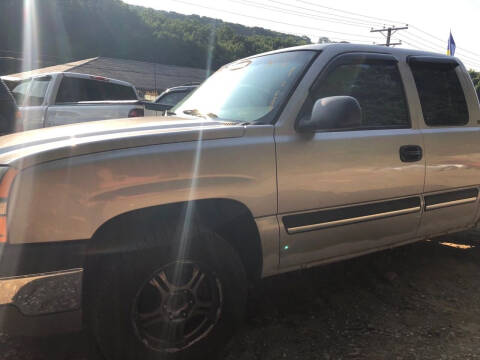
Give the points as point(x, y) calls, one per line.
point(168, 99)
point(152, 228)
point(65, 98)
point(8, 110)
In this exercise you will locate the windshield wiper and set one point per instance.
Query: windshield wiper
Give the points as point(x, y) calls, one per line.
point(212, 115)
point(196, 112)
point(192, 112)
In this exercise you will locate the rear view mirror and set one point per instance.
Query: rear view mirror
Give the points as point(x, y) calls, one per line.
point(335, 112)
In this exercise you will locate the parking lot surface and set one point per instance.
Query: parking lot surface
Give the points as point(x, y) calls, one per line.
point(415, 302)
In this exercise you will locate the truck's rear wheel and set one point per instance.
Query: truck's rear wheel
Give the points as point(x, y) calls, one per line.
point(168, 302)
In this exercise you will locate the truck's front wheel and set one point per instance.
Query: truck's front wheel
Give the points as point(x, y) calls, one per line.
point(168, 302)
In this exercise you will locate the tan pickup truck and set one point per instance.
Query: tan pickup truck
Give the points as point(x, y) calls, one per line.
point(151, 228)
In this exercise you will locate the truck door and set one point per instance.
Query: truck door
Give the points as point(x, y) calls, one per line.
point(342, 191)
point(451, 134)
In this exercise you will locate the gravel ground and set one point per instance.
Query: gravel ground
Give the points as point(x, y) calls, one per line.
point(415, 302)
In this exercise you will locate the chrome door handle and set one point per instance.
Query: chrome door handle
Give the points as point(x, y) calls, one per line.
point(411, 153)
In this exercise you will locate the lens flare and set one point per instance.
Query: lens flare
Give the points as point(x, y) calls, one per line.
point(189, 213)
point(30, 43)
point(188, 220)
point(30, 46)
point(210, 49)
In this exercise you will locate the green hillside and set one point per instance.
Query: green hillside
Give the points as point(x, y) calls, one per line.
point(78, 29)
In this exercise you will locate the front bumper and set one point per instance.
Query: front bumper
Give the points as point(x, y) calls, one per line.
point(41, 288)
point(41, 294)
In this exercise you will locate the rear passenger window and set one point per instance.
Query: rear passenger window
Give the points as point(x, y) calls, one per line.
point(78, 89)
point(378, 88)
point(441, 94)
point(117, 92)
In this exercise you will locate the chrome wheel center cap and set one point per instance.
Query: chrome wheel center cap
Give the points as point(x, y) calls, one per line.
point(179, 304)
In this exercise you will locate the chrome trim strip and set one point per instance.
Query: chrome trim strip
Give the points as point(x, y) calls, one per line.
point(45, 293)
point(450, 203)
point(298, 229)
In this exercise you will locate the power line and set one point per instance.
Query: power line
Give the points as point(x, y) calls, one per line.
point(290, 12)
point(269, 20)
point(424, 43)
point(428, 34)
point(352, 13)
point(468, 51)
point(342, 17)
point(470, 64)
point(418, 46)
point(342, 20)
point(356, 21)
point(422, 47)
point(443, 41)
point(461, 49)
point(436, 48)
point(460, 55)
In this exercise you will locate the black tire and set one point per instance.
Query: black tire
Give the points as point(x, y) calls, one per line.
point(118, 283)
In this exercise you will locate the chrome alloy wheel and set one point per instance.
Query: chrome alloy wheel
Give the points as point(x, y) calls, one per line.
point(177, 306)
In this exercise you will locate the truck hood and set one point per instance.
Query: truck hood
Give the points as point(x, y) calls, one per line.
point(36, 146)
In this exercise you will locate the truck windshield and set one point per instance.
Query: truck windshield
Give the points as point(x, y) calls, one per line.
point(251, 90)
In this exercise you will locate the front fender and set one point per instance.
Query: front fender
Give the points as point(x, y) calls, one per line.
point(69, 199)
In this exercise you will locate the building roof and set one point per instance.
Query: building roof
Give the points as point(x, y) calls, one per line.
point(143, 75)
point(50, 69)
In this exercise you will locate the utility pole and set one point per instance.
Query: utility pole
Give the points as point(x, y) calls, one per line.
point(390, 31)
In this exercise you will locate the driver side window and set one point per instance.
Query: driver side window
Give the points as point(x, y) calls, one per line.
point(377, 86)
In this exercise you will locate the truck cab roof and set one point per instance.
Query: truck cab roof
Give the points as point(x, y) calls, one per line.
point(68, 74)
point(344, 47)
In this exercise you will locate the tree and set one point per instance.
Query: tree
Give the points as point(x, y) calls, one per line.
point(77, 29)
point(324, 40)
point(475, 75)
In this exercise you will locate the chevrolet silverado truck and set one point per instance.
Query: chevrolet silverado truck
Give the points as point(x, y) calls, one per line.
point(65, 98)
point(146, 231)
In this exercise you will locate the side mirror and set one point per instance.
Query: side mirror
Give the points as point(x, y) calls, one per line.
point(335, 112)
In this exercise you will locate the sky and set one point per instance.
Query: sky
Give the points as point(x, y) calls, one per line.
point(429, 21)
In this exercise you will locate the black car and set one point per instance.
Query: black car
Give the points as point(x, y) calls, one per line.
point(170, 97)
point(174, 95)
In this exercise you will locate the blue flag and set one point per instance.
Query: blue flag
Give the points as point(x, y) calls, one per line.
point(451, 45)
